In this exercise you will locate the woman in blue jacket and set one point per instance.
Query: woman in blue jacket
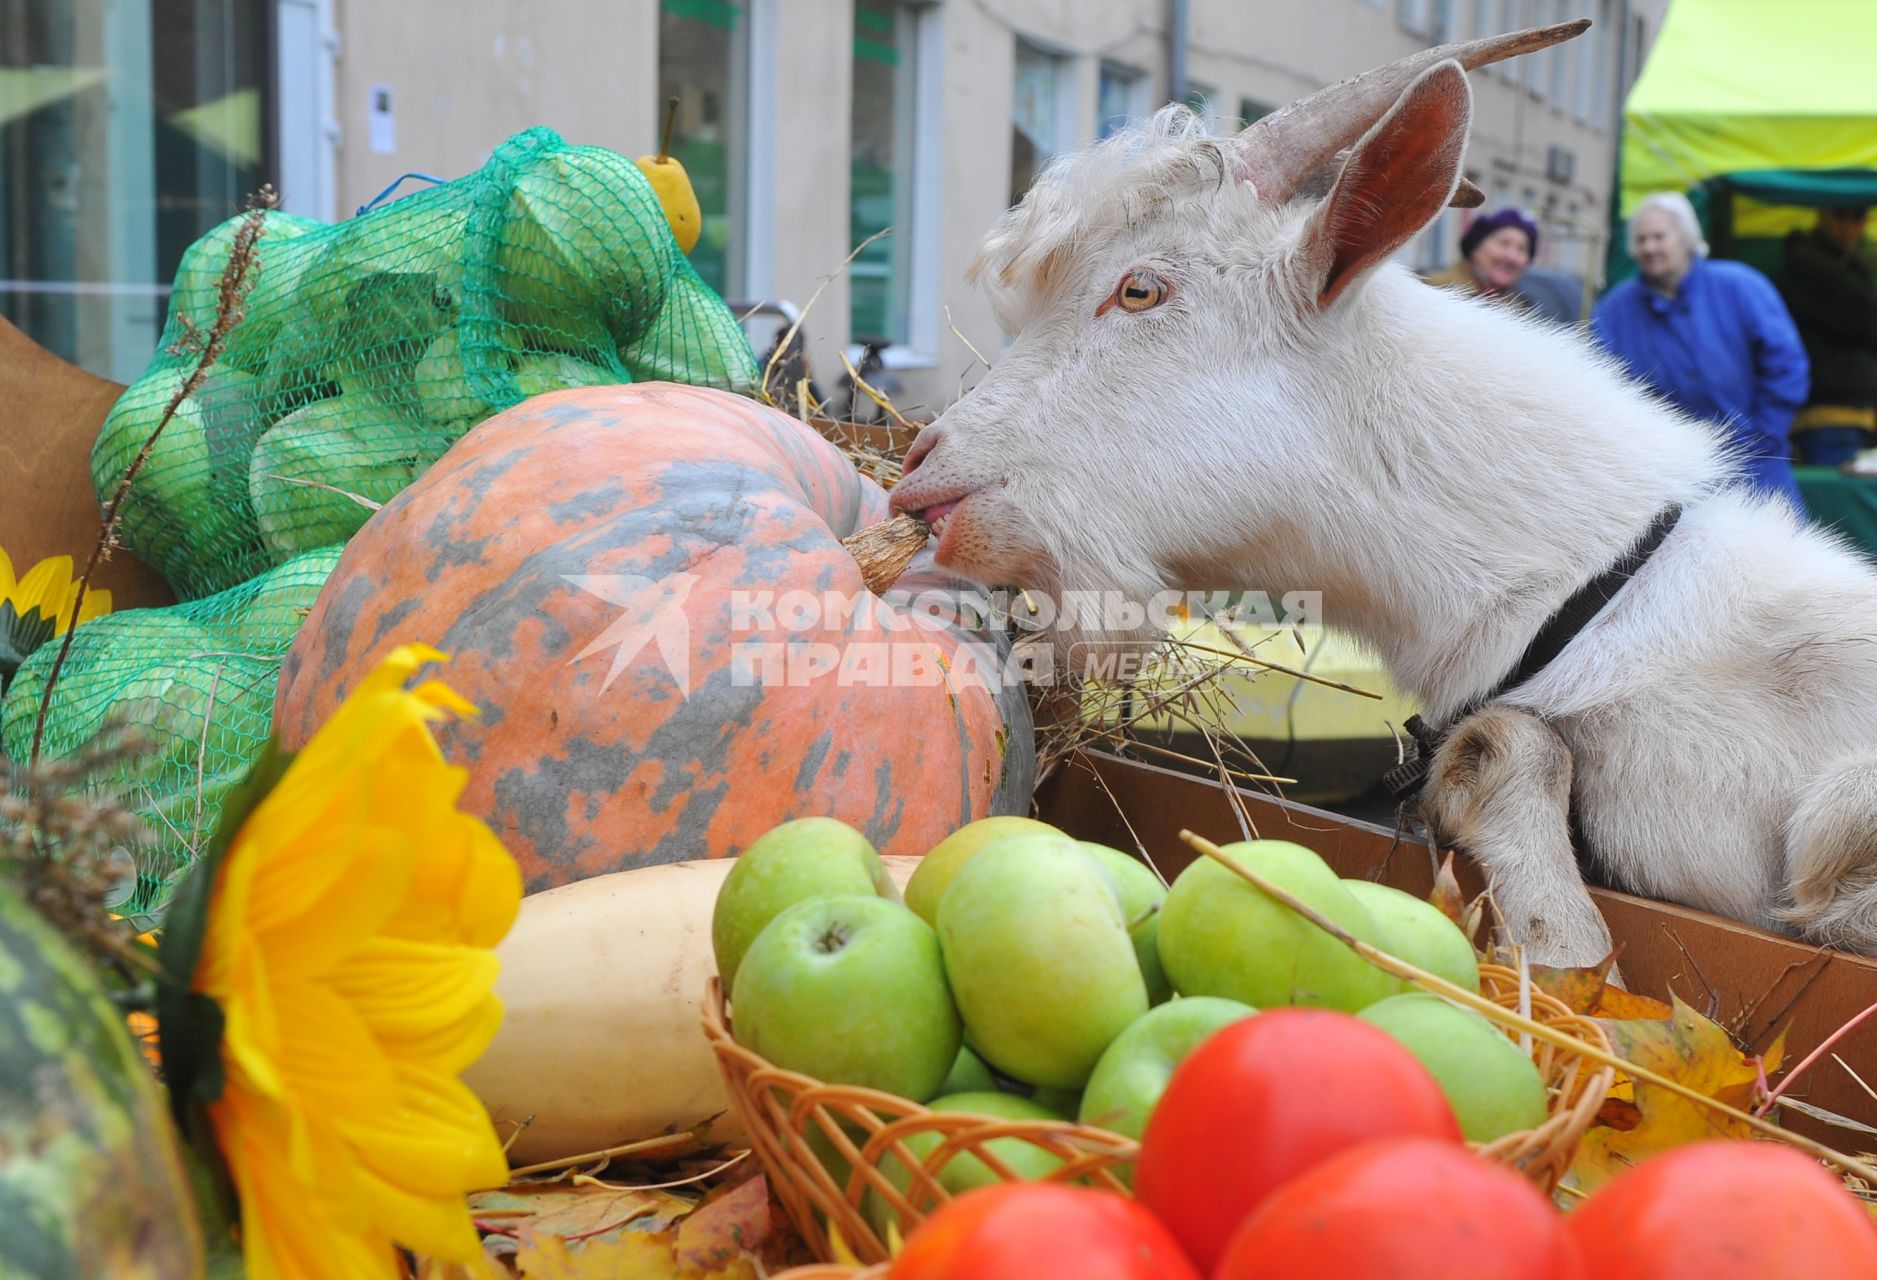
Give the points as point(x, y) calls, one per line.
point(1714, 338)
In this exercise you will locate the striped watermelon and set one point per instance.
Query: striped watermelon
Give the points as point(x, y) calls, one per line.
point(92, 1182)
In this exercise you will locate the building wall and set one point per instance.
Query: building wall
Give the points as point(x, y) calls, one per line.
point(467, 73)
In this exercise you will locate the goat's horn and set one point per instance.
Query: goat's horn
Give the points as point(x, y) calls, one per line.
point(1467, 196)
point(1281, 151)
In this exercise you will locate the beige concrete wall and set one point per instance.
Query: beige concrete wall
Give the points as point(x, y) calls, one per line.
point(807, 215)
point(466, 74)
point(470, 72)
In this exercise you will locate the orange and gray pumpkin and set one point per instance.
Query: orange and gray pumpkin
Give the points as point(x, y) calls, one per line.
point(620, 575)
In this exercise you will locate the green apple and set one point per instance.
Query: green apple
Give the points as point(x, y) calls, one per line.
point(964, 1172)
point(1064, 1102)
point(937, 868)
point(787, 864)
point(850, 990)
point(1495, 1089)
point(1219, 936)
point(1039, 959)
point(1142, 894)
point(1418, 932)
point(969, 1075)
point(1133, 1073)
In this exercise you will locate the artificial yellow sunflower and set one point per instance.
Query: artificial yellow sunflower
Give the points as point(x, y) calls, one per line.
point(346, 939)
point(37, 606)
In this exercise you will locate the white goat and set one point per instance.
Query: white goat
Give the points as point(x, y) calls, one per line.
point(1217, 378)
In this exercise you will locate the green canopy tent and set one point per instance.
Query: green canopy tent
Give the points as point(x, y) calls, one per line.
point(1759, 111)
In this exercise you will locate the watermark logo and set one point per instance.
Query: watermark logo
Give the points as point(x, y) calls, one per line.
point(652, 613)
point(796, 638)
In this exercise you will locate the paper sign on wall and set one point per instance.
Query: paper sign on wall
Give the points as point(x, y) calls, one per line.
point(383, 121)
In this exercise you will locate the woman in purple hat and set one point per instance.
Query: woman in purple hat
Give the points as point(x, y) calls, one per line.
point(1494, 253)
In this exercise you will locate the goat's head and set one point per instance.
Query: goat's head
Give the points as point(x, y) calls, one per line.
point(1173, 301)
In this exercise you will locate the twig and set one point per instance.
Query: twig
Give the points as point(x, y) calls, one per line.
point(609, 1153)
point(1550, 1035)
point(1812, 1057)
point(788, 339)
point(229, 311)
point(202, 757)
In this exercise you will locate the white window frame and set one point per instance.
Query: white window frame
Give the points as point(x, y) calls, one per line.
point(1209, 94)
point(924, 297)
point(306, 128)
point(1135, 83)
point(754, 212)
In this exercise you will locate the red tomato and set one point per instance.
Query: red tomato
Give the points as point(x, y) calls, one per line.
point(1405, 1209)
point(1261, 1101)
point(1725, 1211)
point(1026, 1230)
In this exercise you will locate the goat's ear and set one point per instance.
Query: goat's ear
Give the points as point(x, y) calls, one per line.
point(1397, 178)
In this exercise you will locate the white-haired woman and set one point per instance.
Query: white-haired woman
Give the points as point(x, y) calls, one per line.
point(1713, 337)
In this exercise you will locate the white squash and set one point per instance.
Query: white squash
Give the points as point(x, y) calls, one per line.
point(602, 985)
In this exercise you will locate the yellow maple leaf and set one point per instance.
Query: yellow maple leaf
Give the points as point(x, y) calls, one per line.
point(633, 1255)
point(1646, 1119)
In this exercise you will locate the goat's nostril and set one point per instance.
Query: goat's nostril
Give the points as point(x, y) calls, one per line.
point(922, 444)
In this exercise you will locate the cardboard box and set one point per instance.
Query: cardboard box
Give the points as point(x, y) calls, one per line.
point(50, 412)
point(1754, 983)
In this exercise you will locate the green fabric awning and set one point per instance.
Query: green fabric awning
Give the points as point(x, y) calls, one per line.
point(1759, 111)
point(1747, 86)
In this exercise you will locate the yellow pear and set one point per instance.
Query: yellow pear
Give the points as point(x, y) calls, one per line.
point(672, 185)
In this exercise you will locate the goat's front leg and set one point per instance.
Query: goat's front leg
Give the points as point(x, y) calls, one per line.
point(1500, 791)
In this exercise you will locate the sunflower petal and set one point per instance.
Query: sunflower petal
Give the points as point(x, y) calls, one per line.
point(47, 586)
point(441, 1142)
point(424, 1002)
point(97, 604)
point(349, 945)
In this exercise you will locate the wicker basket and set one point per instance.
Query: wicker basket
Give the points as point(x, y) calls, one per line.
point(781, 1109)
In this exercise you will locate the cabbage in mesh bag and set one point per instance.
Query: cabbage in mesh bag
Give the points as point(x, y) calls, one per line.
point(368, 346)
point(198, 680)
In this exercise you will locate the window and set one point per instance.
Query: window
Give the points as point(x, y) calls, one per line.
point(1203, 99)
point(1250, 109)
point(1039, 114)
point(1430, 247)
point(1603, 62)
point(703, 61)
point(1121, 97)
point(1483, 18)
point(126, 131)
point(881, 191)
point(1415, 16)
point(1638, 40)
point(1511, 18)
point(1589, 58)
point(1561, 56)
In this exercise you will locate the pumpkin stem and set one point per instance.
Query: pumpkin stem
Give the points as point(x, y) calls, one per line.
point(884, 550)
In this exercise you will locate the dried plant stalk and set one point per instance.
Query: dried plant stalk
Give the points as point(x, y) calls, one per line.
point(884, 550)
point(237, 279)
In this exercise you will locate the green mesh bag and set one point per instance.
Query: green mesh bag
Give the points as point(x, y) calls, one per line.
point(369, 347)
point(197, 680)
point(365, 350)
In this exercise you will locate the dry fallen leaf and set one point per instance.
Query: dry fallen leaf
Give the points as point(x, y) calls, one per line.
point(633, 1255)
point(733, 1225)
point(1447, 895)
point(589, 1208)
point(1646, 1119)
point(1588, 991)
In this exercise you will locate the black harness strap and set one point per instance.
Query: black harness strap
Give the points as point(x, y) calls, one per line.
point(1406, 779)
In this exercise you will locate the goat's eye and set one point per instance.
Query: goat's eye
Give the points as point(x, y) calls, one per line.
point(1141, 291)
